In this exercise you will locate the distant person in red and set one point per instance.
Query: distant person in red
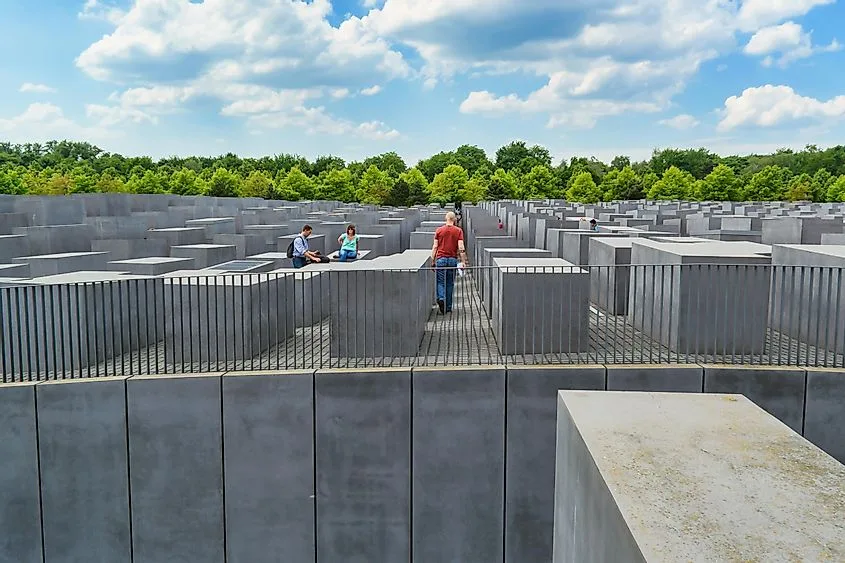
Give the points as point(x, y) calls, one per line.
point(501, 225)
point(448, 246)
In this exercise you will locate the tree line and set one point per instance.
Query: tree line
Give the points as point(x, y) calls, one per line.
point(516, 171)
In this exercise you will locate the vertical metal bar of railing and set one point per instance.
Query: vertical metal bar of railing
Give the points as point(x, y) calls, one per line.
point(781, 311)
point(240, 282)
point(5, 331)
point(737, 285)
point(714, 282)
point(836, 337)
point(114, 325)
point(210, 331)
point(78, 315)
point(827, 301)
point(807, 336)
point(53, 330)
point(121, 322)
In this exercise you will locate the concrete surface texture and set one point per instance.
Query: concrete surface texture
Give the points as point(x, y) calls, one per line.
point(447, 463)
point(652, 477)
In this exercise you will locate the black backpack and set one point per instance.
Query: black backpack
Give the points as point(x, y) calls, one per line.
point(290, 247)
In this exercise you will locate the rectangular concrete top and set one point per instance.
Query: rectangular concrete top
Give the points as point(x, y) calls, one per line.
point(153, 260)
point(61, 255)
point(85, 277)
point(837, 250)
point(711, 249)
point(203, 246)
point(712, 477)
point(177, 230)
point(532, 265)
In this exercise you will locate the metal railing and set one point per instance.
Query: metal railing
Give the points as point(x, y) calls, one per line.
point(354, 318)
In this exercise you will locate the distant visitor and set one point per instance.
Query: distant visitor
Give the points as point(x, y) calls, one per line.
point(448, 246)
point(299, 252)
point(348, 245)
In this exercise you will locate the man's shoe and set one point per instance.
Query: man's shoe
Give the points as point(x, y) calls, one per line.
point(441, 305)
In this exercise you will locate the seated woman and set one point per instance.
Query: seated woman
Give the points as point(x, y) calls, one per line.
point(348, 245)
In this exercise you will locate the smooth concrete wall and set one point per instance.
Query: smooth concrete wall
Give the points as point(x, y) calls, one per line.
point(20, 508)
point(176, 468)
point(458, 466)
point(82, 437)
point(428, 465)
point(529, 439)
point(363, 456)
point(268, 432)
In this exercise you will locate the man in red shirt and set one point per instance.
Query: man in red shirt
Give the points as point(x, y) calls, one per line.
point(448, 246)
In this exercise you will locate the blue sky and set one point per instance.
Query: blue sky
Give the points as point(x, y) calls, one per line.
point(360, 77)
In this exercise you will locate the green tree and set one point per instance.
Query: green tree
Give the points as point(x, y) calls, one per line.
point(110, 182)
point(675, 184)
point(448, 185)
point(337, 185)
point(719, 185)
point(502, 186)
point(431, 167)
point(800, 188)
point(539, 183)
point(584, 189)
point(836, 192)
point(257, 184)
point(375, 186)
point(389, 162)
point(698, 162)
point(769, 184)
point(624, 184)
point(327, 163)
point(295, 185)
point(148, 183)
point(822, 180)
point(472, 159)
point(511, 155)
point(224, 184)
point(11, 181)
point(417, 186)
point(475, 189)
point(187, 182)
point(649, 179)
point(620, 162)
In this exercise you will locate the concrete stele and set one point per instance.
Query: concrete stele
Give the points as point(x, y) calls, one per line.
point(648, 477)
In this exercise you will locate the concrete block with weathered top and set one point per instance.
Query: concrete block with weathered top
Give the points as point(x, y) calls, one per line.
point(654, 477)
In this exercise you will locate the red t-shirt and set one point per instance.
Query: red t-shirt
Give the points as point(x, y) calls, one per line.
point(447, 238)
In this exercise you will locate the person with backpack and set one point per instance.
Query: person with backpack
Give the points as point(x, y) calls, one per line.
point(298, 250)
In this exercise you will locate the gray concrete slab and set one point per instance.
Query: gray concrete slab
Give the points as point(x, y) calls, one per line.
point(269, 466)
point(127, 249)
point(20, 503)
point(824, 416)
point(651, 477)
point(205, 255)
point(54, 264)
point(363, 453)
point(151, 266)
point(542, 306)
point(530, 464)
point(84, 470)
point(458, 468)
point(176, 468)
point(13, 246)
point(778, 390)
point(14, 270)
point(656, 378)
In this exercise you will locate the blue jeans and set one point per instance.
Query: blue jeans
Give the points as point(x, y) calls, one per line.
point(446, 280)
point(299, 261)
point(345, 255)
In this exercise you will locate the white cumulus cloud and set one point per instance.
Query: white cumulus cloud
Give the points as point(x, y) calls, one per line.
point(41, 121)
point(767, 106)
point(680, 122)
point(371, 91)
point(755, 14)
point(789, 40)
point(29, 87)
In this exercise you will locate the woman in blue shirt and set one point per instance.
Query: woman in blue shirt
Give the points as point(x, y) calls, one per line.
point(348, 245)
